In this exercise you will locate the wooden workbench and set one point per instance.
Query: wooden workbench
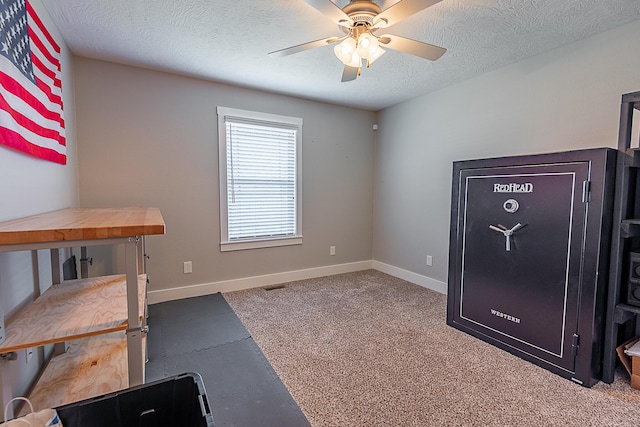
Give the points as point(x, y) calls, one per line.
point(102, 317)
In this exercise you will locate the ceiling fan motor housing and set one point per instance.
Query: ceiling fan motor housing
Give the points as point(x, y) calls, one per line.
point(362, 11)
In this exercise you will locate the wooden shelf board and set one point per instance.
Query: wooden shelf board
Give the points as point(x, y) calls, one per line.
point(71, 310)
point(91, 367)
point(82, 224)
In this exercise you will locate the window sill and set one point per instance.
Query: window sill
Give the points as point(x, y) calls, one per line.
point(256, 244)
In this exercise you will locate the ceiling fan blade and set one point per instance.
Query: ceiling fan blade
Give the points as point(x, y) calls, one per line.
point(330, 9)
point(401, 10)
point(413, 47)
point(349, 73)
point(302, 47)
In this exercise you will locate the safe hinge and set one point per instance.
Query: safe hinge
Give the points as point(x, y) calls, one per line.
point(575, 343)
point(586, 191)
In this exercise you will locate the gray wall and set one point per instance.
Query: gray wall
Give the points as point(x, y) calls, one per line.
point(150, 138)
point(565, 99)
point(30, 186)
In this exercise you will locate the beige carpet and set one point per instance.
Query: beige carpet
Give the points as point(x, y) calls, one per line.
point(368, 349)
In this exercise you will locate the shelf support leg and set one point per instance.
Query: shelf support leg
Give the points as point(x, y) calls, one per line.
point(84, 262)
point(7, 380)
point(1, 327)
point(56, 279)
point(56, 274)
point(6, 393)
point(134, 333)
point(142, 264)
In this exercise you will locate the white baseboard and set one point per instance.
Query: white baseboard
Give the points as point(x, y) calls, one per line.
point(409, 276)
point(163, 295)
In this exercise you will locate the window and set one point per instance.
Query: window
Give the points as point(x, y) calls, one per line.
point(259, 179)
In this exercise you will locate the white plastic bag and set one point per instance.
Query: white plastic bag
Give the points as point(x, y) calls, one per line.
point(44, 418)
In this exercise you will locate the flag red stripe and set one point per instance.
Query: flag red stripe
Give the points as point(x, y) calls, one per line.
point(43, 28)
point(16, 141)
point(46, 71)
point(30, 125)
point(16, 89)
point(43, 50)
point(56, 99)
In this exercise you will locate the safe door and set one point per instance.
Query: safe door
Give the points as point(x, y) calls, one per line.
point(517, 261)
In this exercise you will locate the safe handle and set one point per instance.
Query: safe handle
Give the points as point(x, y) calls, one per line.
point(507, 232)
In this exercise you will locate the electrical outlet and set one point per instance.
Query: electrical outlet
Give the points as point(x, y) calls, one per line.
point(332, 250)
point(429, 260)
point(188, 267)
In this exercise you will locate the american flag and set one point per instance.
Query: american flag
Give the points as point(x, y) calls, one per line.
point(31, 114)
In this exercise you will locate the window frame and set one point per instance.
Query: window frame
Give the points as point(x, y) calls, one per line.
point(265, 118)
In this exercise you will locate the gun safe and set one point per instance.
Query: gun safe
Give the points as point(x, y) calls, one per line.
point(529, 251)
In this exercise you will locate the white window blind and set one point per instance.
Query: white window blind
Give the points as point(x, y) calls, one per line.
point(260, 178)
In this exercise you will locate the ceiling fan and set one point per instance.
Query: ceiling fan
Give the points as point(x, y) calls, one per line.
point(360, 20)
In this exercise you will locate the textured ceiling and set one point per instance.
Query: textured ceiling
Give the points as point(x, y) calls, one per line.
point(228, 41)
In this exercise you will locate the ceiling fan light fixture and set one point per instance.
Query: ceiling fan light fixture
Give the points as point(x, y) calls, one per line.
point(367, 45)
point(377, 54)
point(345, 50)
point(356, 61)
